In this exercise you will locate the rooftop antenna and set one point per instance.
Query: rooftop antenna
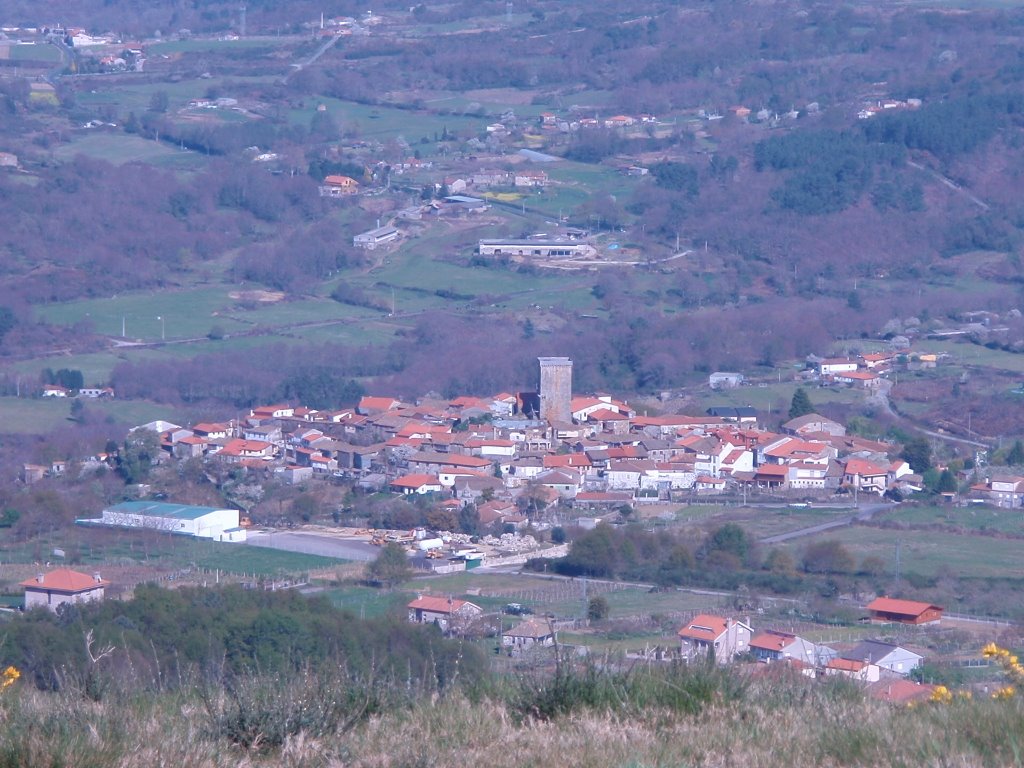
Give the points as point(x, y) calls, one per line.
point(241, 21)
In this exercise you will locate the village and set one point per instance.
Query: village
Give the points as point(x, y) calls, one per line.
point(499, 479)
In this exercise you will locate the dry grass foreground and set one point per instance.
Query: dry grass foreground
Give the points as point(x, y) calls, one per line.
point(777, 723)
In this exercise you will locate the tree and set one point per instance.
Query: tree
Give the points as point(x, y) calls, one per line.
point(918, 453)
point(598, 608)
point(159, 102)
point(801, 404)
point(7, 321)
point(780, 561)
point(391, 566)
point(731, 539)
point(1016, 454)
point(469, 520)
point(137, 454)
point(828, 557)
point(947, 482)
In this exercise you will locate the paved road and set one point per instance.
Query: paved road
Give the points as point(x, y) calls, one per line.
point(313, 544)
point(299, 66)
point(865, 512)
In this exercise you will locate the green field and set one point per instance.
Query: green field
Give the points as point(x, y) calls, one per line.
point(95, 547)
point(126, 148)
point(186, 314)
point(776, 397)
point(382, 123)
point(37, 415)
point(253, 44)
point(972, 518)
point(929, 552)
point(46, 53)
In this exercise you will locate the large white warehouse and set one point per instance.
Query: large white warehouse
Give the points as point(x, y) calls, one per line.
point(182, 519)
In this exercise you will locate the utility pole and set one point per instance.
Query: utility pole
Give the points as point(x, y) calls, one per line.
point(898, 543)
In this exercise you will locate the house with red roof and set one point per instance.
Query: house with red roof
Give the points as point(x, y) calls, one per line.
point(210, 431)
point(899, 691)
point(246, 449)
point(706, 634)
point(859, 379)
point(369, 405)
point(865, 475)
point(416, 484)
point(266, 412)
point(449, 614)
point(854, 669)
point(56, 588)
point(771, 646)
point(832, 366)
point(894, 611)
point(337, 185)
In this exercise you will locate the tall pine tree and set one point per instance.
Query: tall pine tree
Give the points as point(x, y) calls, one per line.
point(801, 404)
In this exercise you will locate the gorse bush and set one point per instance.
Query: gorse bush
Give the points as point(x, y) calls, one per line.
point(676, 688)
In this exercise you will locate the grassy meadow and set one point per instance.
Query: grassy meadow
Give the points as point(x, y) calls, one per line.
point(635, 720)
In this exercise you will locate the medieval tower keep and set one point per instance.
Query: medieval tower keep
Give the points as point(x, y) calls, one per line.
point(556, 389)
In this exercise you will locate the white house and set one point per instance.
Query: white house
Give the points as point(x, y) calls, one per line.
point(889, 657)
point(832, 366)
point(447, 613)
point(727, 637)
point(532, 633)
point(56, 588)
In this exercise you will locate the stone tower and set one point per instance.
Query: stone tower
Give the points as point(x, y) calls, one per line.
point(556, 389)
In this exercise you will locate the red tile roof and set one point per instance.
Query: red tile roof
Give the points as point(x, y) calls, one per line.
point(438, 604)
point(65, 580)
point(772, 641)
point(905, 607)
point(704, 627)
point(864, 468)
point(900, 691)
point(415, 481)
point(846, 665)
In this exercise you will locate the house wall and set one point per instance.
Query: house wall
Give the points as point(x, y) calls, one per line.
point(43, 598)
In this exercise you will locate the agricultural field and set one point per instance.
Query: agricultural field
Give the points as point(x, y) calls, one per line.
point(382, 123)
point(122, 148)
point(928, 553)
point(33, 53)
point(971, 519)
point(35, 415)
point(95, 548)
point(254, 45)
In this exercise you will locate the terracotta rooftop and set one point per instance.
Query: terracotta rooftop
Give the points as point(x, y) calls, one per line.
point(65, 580)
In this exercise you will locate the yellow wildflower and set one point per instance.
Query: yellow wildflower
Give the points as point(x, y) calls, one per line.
point(941, 695)
point(9, 677)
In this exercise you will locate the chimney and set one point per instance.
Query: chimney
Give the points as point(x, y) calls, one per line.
point(96, 576)
point(39, 578)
